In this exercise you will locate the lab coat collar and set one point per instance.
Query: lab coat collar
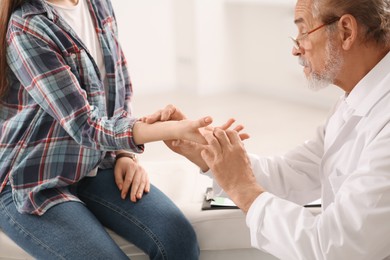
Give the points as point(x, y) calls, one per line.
point(370, 89)
point(361, 100)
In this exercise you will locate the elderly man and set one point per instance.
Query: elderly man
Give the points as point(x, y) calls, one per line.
point(347, 165)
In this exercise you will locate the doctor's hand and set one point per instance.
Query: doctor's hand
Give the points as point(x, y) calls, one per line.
point(227, 158)
point(170, 112)
point(192, 151)
point(131, 177)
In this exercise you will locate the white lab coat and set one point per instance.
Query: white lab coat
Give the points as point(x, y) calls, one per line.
point(351, 176)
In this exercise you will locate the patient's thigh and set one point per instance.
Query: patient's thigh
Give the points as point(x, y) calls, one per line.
point(68, 230)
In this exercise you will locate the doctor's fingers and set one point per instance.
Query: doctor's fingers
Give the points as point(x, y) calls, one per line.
point(222, 137)
point(170, 112)
point(213, 144)
point(243, 136)
point(155, 117)
point(228, 124)
point(234, 137)
point(209, 156)
point(238, 128)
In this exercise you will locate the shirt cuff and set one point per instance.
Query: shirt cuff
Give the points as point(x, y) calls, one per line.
point(256, 210)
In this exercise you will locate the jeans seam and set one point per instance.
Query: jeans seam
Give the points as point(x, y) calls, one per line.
point(128, 217)
point(21, 229)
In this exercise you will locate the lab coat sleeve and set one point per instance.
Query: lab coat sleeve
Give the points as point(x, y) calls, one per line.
point(355, 226)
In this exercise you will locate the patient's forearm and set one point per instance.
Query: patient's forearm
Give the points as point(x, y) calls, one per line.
point(146, 133)
point(170, 130)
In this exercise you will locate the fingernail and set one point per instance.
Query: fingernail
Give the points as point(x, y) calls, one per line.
point(207, 119)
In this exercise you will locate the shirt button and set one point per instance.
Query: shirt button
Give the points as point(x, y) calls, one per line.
point(73, 56)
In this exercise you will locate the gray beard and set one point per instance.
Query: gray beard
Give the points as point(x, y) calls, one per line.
point(317, 81)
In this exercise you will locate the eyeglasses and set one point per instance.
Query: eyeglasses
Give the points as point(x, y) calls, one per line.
point(296, 41)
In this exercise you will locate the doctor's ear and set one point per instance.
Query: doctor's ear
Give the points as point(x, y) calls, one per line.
point(348, 30)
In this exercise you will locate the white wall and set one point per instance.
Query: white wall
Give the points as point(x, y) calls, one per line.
point(263, 63)
point(213, 46)
point(185, 45)
point(214, 53)
point(147, 36)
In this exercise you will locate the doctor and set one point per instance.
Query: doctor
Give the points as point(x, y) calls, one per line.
point(345, 43)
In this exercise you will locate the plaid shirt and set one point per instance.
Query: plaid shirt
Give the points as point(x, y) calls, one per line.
point(55, 123)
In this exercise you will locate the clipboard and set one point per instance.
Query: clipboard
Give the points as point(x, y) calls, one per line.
point(214, 203)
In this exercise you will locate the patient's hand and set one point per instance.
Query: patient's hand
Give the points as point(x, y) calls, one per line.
point(131, 178)
point(192, 151)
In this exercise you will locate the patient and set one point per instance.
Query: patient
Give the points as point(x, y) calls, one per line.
point(68, 139)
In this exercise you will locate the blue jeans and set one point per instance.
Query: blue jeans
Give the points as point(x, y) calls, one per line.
point(72, 230)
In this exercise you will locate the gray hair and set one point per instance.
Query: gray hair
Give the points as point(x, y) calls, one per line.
point(372, 15)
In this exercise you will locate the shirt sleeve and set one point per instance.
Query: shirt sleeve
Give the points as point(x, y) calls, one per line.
point(47, 78)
